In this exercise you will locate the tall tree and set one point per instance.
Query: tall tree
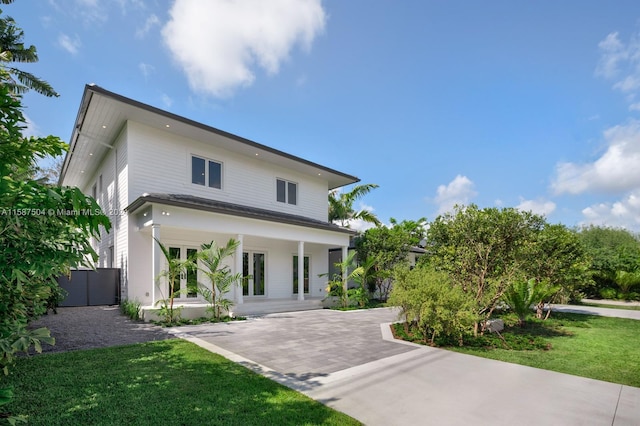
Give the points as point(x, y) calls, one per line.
point(44, 230)
point(341, 210)
point(483, 250)
point(12, 49)
point(610, 250)
point(388, 247)
point(559, 258)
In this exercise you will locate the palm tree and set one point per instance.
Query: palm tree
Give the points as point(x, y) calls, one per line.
point(12, 49)
point(341, 209)
point(220, 275)
point(175, 268)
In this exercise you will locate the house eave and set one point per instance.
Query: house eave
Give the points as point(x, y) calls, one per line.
point(212, 206)
point(97, 133)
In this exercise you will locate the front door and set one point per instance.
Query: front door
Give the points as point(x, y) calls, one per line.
point(253, 266)
point(186, 285)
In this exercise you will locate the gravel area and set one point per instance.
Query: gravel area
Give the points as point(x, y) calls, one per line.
point(88, 327)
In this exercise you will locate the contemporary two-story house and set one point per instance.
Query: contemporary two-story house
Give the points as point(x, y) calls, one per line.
point(159, 175)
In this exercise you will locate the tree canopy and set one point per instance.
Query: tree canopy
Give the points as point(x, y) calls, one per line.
point(12, 50)
point(44, 230)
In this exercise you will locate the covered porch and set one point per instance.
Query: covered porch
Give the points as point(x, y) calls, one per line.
point(283, 259)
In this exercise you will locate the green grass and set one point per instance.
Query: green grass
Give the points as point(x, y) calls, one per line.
point(591, 346)
point(171, 382)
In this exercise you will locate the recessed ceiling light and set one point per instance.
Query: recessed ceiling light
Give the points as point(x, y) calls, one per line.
point(104, 127)
point(257, 154)
point(167, 125)
point(81, 171)
point(90, 154)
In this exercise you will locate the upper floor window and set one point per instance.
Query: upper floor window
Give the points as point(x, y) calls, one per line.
point(206, 172)
point(286, 192)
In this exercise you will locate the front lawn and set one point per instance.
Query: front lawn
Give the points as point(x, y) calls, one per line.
point(591, 346)
point(169, 382)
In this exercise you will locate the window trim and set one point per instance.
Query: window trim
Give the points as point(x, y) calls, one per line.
point(207, 168)
point(287, 200)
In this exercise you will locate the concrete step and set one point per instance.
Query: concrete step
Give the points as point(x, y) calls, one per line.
point(274, 306)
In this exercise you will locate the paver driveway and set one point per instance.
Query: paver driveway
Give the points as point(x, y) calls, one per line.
point(342, 360)
point(306, 344)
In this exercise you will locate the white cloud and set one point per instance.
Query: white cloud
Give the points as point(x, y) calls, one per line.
point(167, 101)
point(146, 69)
point(91, 12)
point(69, 44)
point(539, 206)
point(624, 213)
point(620, 62)
point(459, 191)
point(219, 44)
point(32, 128)
point(616, 171)
point(359, 224)
point(151, 22)
point(613, 52)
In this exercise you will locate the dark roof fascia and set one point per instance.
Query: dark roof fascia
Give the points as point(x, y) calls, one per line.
point(236, 210)
point(97, 89)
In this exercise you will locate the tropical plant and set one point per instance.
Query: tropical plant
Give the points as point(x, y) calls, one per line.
point(348, 270)
point(39, 241)
point(131, 308)
point(522, 295)
point(341, 210)
point(12, 49)
point(219, 275)
point(175, 268)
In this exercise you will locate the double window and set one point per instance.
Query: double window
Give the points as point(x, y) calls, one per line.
point(286, 192)
point(206, 172)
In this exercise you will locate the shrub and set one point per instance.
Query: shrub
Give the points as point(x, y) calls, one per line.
point(609, 293)
point(430, 302)
point(131, 308)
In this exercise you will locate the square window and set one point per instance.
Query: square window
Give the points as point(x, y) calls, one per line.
point(286, 192)
point(206, 172)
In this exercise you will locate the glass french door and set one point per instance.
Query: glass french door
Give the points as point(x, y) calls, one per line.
point(188, 279)
point(295, 274)
point(253, 266)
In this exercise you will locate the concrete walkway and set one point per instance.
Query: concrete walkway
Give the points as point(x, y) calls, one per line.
point(592, 310)
point(349, 361)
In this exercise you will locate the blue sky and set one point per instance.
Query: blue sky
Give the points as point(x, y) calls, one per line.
point(534, 105)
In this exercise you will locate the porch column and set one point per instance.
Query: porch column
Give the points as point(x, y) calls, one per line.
point(238, 259)
point(156, 254)
point(300, 270)
point(345, 273)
